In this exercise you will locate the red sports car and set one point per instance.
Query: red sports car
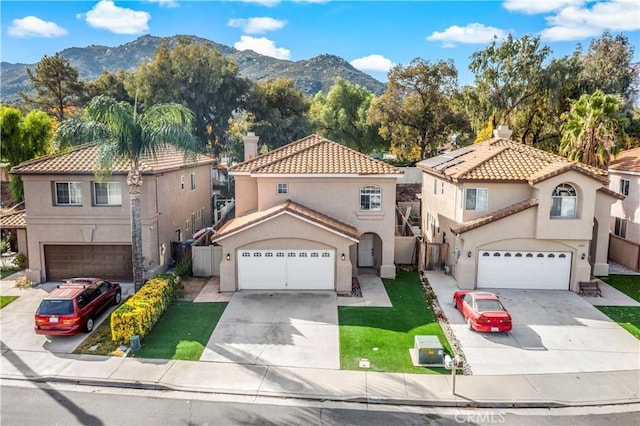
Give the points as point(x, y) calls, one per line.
point(482, 311)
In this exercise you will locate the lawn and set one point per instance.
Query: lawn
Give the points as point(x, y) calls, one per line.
point(183, 331)
point(384, 335)
point(5, 300)
point(627, 316)
point(5, 272)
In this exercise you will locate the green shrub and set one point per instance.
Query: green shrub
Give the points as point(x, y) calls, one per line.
point(5, 245)
point(20, 261)
point(183, 267)
point(141, 312)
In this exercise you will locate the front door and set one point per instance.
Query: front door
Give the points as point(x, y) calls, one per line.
point(365, 251)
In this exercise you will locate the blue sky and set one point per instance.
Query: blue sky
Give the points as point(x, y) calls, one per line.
point(372, 35)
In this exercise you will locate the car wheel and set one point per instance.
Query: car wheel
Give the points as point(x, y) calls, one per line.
point(469, 323)
point(117, 299)
point(455, 303)
point(89, 326)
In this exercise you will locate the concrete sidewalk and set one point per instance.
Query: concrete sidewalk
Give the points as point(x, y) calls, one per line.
point(545, 390)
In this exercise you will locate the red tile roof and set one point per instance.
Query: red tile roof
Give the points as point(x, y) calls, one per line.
point(505, 161)
point(627, 161)
point(296, 209)
point(13, 220)
point(82, 160)
point(460, 228)
point(315, 155)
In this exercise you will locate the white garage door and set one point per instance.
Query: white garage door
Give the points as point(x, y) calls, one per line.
point(539, 270)
point(286, 269)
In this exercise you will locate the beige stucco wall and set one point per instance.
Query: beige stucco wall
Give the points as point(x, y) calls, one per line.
point(285, 232)
point(164, 208)
point(338, 197)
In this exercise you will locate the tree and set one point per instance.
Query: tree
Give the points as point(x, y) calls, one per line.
point(342, 116)
point(415, 112)
point(123, 134)
point(592, 129)
point(58, 89)
point(199, 77)
point(112, 85)
point(278, 112)
point(23, 138)
point(509, 83)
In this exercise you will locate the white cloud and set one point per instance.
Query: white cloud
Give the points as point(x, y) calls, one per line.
point(119, 20)
point(576, 23)
point(263, 46)
point(31, 26)
point(533, 7)
point(165, 3)
point(373, 63)
point(471, 34)
point(268, 3)
point(257, 25)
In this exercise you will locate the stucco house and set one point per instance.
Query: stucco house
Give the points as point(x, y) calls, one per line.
point(513, 216)
point(308, 215)
point(79, 226)
point(624, 172)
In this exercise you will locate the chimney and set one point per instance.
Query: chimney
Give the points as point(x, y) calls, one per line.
point(502, 132)
point(250, 146)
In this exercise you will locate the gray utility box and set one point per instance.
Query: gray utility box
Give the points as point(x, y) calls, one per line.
point(429, 350)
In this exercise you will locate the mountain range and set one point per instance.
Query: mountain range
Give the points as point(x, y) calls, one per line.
point(310, 76)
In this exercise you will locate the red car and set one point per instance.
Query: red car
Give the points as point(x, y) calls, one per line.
point(74, 306)
point(482, 311)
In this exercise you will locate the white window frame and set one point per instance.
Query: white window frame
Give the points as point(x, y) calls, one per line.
point(193, 181)
point(74, 190)
point(620, 227)
point(624, 186)
point(282, 188)
point(481, 203)
point(114, 197)
point(370, 198)
point(564, 202)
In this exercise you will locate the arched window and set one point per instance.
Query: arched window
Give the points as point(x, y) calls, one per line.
point(370, 198)
point(564, 201)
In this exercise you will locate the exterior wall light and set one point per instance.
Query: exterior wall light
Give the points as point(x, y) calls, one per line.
point(228, 257)
point(469, 253)
point(583, 256)
point(342, 257)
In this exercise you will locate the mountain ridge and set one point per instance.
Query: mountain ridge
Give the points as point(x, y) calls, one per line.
point(310, 75)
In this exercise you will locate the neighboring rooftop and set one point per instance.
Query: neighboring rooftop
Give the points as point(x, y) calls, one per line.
point(82, 160)
point(13, 220)
point(503, 160)
point(626, 161)
point(315, 155)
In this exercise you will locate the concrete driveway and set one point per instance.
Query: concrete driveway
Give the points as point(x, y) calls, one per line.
point(291, 329)
point(553, 332)
point(16, 325)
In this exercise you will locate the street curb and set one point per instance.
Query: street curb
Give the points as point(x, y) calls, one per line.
point(462, 403)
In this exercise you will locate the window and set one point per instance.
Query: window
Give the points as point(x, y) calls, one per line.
point(620, 228)
point(68, 193)
point(476, 199)
point(107, 194)
point(435, 186)
point(283, 189)
point(370, 198)
point(193, 181)
point(564, 201)
point(624, 186)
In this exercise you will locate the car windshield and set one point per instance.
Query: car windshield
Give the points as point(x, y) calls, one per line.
point(484, 305)
point(56, 307)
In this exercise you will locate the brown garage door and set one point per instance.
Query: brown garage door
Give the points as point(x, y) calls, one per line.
point(109, 262)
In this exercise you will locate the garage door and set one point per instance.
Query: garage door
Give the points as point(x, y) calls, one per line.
point(286, 269)
point(108, 261)
point(524, 269)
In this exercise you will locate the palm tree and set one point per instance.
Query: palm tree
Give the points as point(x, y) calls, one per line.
point(592, 129)
point(121, 133)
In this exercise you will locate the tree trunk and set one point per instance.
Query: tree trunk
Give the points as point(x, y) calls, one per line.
point(135, 182)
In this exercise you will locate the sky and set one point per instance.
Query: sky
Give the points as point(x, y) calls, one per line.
point(372, 35)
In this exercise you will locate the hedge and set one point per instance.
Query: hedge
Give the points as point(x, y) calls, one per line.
point(140, 312)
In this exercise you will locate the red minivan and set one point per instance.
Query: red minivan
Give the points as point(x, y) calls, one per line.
point(74, 305)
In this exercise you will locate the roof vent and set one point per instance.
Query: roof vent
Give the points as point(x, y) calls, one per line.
point(502, 132)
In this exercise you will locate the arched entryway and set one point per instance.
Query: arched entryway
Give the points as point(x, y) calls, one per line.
point(369, 251)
